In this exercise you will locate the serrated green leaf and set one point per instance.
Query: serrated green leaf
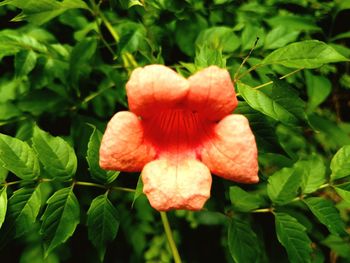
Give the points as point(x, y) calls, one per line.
point(242, 241)
point(338, 245)
point(138, 190)
point(133, 37)
point(263, 129)
point(292, 235)
point(344, 191)
point(24, 206)
point(103, 223)
point(265, 104)
point(283, 186)
point(60, 218)
point(206, 56)
point(284, 94)
point(3, 174)
point(327, 214)
point(294, 22)
point(92, 158)
point(279, 37)
point(80, 57)
point(17, 157)
point(25, 61)
point(334, 137)
point(12, 42)
point(243, 201)
point(3, 204)
point(304, 54)
point(318, 89)
point(57, 156)
point(314, 173)
point(41, 11)
point(8, 110)
point(250, 34)
point(341, 36)
point(340, 164)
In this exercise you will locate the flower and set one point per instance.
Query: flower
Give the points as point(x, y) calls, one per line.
point(178, 131)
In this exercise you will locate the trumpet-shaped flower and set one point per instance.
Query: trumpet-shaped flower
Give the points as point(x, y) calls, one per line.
point(177, 132)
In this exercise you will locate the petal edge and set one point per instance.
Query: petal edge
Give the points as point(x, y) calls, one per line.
point(122, 147)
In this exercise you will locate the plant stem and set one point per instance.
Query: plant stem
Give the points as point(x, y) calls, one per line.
point(90, 184)
point(263, 210)
point(271, 82)
point(170, 237)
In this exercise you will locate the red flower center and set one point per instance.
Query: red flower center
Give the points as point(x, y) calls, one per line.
point(177, 130)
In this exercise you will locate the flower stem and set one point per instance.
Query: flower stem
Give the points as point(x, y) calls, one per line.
point(170, 237)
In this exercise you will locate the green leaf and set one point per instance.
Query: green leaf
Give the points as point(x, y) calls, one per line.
point(8, 110)
point(265, 104)
point(207, 56)
point(292, 235)
point(187, 31)
point(284, 94)
point(314, 173)
point(242, 241)
point(338, 245)
point(279, 37)
point(103, 223)
point(327, 214)
point(25, 61)
point(138, 190)
point(79, 61)
point(3, 174)
point(294, 22)
point(340, 164)
point(17, 157)
point(341, 36)
point(334, 136)
point(57, 156)
point(304, 54)
point(263, 129)
point(344, 191)
point(40, 11)
point(283, 186)
point(133, 37)
point(243, 201)
point(60, 218)
point(92, 158)
point(250, 34)
point(219, 37)
point(318, 89)
point(12, 42)
point(24, 206)
point(3, 204)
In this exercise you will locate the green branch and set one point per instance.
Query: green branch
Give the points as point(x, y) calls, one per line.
point(81, 183)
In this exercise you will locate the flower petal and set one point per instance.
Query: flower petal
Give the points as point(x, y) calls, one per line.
point(123, 147)
point(212, 93)
point(182, 185)
point(232, 152)
point(153, 88)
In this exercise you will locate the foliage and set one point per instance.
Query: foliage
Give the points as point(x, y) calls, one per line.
point(64, 65)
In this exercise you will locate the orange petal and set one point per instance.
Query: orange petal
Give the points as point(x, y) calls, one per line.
point(122, 147)
point(182, 185)
point(153, 88)
point(232, 152)
point(212, 93)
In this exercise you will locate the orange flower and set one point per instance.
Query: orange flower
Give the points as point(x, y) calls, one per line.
point(178, 131)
